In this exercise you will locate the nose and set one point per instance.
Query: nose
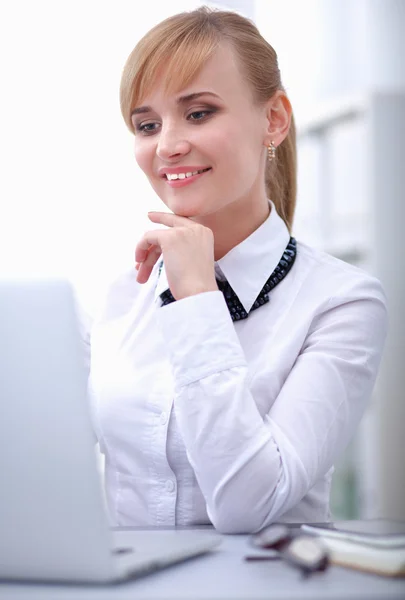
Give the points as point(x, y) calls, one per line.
point(172, 144)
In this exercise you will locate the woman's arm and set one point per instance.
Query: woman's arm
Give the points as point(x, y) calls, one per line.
point(252, 470)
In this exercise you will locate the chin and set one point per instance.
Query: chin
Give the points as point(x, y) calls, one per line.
point(186, 207)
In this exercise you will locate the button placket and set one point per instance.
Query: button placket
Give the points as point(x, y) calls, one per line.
point(165, 480)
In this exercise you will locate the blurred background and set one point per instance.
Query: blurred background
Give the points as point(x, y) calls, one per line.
point(73, 202)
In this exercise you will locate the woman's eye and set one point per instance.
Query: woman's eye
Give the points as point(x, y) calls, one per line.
point(199, 115)
point(147, 128)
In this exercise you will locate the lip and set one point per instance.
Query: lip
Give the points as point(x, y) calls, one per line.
point(184, 169)
point(177, 183)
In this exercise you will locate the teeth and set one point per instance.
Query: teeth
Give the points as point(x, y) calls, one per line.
point(173, 176)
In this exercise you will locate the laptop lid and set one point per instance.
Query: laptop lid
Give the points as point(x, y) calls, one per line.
point(52, 518)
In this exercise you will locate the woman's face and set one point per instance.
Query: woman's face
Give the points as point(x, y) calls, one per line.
point(203, 148)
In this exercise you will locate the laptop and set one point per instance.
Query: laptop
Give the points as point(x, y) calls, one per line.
point(53, 520)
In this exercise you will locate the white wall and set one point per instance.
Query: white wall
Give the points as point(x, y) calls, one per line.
point(334, 48)
point(244, 7)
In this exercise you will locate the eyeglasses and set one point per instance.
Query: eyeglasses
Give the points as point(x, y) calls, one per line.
point(304, 552)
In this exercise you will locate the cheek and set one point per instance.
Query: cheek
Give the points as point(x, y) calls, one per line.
point(220, 147)
point(227, 142)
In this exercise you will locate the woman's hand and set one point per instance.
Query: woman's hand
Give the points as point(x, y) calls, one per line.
point(188, 254)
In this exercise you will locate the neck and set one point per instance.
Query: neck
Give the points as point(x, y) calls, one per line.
point(234, 223)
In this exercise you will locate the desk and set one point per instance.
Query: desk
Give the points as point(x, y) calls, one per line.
point(223, 574)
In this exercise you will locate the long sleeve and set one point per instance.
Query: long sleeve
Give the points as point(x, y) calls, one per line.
point(253, 467)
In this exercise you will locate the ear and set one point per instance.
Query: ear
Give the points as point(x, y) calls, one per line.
point(279, 114)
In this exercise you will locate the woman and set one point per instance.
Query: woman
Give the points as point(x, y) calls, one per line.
point(232, 366)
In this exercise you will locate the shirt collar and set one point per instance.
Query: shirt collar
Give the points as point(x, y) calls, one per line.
point(248, 265)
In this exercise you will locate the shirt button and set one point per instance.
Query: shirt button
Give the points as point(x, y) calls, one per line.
point(170, 485)
point(163, 418)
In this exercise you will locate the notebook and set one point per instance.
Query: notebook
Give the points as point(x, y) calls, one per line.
point(381, 533)
point(375, 545)
point(382, 561)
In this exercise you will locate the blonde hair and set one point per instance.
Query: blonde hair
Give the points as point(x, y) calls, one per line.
point(178, 47)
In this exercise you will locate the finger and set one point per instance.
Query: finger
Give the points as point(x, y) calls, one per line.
point(142, 250)
point(150, 238)
point(143, 274)
point(145, 268)
point(170, 219)
point(143, 254)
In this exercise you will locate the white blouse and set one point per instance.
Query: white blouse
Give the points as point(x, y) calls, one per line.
point(202, 419)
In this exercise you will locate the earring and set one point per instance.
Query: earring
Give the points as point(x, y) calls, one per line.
point(271, 151)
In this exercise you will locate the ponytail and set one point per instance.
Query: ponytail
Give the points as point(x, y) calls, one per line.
point(281, 177)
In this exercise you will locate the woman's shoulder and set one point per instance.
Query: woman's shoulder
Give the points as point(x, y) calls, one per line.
point(336, 275)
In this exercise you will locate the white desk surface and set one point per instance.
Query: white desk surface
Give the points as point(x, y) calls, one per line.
point(223, 574)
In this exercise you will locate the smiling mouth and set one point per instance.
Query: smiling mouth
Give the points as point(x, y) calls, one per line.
point(177, 176)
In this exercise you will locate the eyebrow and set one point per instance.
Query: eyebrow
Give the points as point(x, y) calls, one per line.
point(180, 100)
